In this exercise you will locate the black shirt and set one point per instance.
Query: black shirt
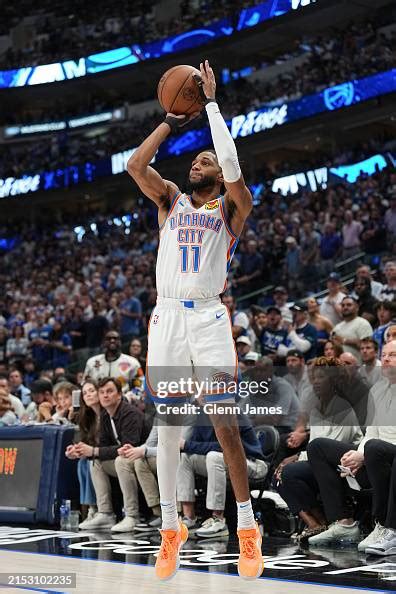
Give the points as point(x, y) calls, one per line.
point(128, 422)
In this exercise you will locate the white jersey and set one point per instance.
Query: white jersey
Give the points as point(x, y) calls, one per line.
point(195, 251)
point(125, 369)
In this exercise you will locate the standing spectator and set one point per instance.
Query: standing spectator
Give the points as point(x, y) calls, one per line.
point(130, 312)
point(330, 247)
point(3, 343)
point(388, 291)
point(390, 222)
point(365, 271)
point(39, 341)
point(75, 327)
point(309, 255)
point(113, 363)
point(96, 327)
point(352, 329)
point(351, 231)
point(367, 303)
point(17, 345)
point(121, 424)
point(323, 325)
point(293, 265)
point(330, 307)
point(273, 337)
point(280, 297)
point(251, 269)
point(239, 320)
point(17, 388)
point(61, 345)
point(136, 351)
point(374, 234)
point(302, 335)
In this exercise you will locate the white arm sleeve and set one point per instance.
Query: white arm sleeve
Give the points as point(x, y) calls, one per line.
point(223, 143)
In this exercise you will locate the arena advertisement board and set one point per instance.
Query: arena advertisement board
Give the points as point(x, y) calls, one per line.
point(20, 468)
point(241, 126)
point(124, 56)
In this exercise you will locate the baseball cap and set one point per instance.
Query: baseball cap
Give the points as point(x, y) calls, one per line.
point(279, 290)
point(334, 276)
point(295, 353)
point(244, 340)
point(273, 308)
point(290, 239)
point(299, 306)
point(252, 356)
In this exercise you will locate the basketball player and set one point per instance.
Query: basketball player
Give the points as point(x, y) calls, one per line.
point(190, 326)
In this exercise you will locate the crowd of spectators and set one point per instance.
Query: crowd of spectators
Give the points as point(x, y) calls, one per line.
point(66, 32)
point(357, 52)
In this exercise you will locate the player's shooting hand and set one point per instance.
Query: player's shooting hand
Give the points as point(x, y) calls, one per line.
point(179, 121)
point(207, 82)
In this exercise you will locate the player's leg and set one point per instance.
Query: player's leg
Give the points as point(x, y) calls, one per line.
point(215, 359)
point(167, 359)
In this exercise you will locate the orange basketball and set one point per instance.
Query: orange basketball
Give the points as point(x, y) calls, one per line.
point(178, 92)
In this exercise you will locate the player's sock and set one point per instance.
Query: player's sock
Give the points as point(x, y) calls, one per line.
point(169, 515)
point(168, 457)
point(245, 515)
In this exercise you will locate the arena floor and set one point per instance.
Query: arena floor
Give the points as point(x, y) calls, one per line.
point(103, 564)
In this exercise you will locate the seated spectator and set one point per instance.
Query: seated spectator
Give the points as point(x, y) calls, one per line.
point(121, 424)
point(201, 454)
point(113, 363)
point(3, 344)
point(136, 351)
point(350, 332)
point(87, 419)
point(17, 345)
point(63, 403)
point(357, 389)
point(390, 333)
point(17, 388)
point(370, 464)
point(371, 365)
point(7, 416)
point(16, 404)
point(42, 407)
point(323, 325)
point(280, 297)
point(302, 336)
point(244, 348)
point(330, 418)
point(332, 350)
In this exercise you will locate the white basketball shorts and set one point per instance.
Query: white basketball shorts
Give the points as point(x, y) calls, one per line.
point(191, 352)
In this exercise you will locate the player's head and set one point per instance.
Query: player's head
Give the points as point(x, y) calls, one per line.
point(205, 172)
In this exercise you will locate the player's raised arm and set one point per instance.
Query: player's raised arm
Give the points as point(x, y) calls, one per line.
point(237, 192)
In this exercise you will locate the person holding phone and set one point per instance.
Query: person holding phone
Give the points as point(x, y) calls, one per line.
point(88, 416)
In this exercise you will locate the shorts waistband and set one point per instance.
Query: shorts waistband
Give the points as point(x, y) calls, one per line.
point(188, 303)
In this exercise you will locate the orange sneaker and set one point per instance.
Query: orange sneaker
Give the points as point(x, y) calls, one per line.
point(250, 562)
point(168, 560)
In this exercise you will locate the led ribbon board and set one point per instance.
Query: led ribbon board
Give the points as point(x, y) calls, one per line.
point(124, 56)
point(260, 120)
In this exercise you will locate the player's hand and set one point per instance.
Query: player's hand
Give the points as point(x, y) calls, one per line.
point(207, 81)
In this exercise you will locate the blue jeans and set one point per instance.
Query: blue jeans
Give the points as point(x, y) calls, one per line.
point(87, 491)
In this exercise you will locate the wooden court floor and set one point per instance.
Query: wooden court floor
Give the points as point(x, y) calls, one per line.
point(101, 577)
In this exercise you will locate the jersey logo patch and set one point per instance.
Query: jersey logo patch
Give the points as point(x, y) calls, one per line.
point(218, 316)
point(212, 205)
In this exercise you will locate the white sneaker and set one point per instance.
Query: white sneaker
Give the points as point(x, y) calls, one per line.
point(385, 545)
point(128, 524)
point(91, 514)
point(99, 522)
point(337, 533)
point(213, 527)
point(374, 537)
point(189, 523)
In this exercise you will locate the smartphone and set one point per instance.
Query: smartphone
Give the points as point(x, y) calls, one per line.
point(76, 395)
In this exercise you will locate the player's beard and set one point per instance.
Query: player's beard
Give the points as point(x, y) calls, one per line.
point(206, 181)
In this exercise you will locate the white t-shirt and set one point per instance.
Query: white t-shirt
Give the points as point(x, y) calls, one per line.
point(328, 310)
point(356, 328)
point(125, 368)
